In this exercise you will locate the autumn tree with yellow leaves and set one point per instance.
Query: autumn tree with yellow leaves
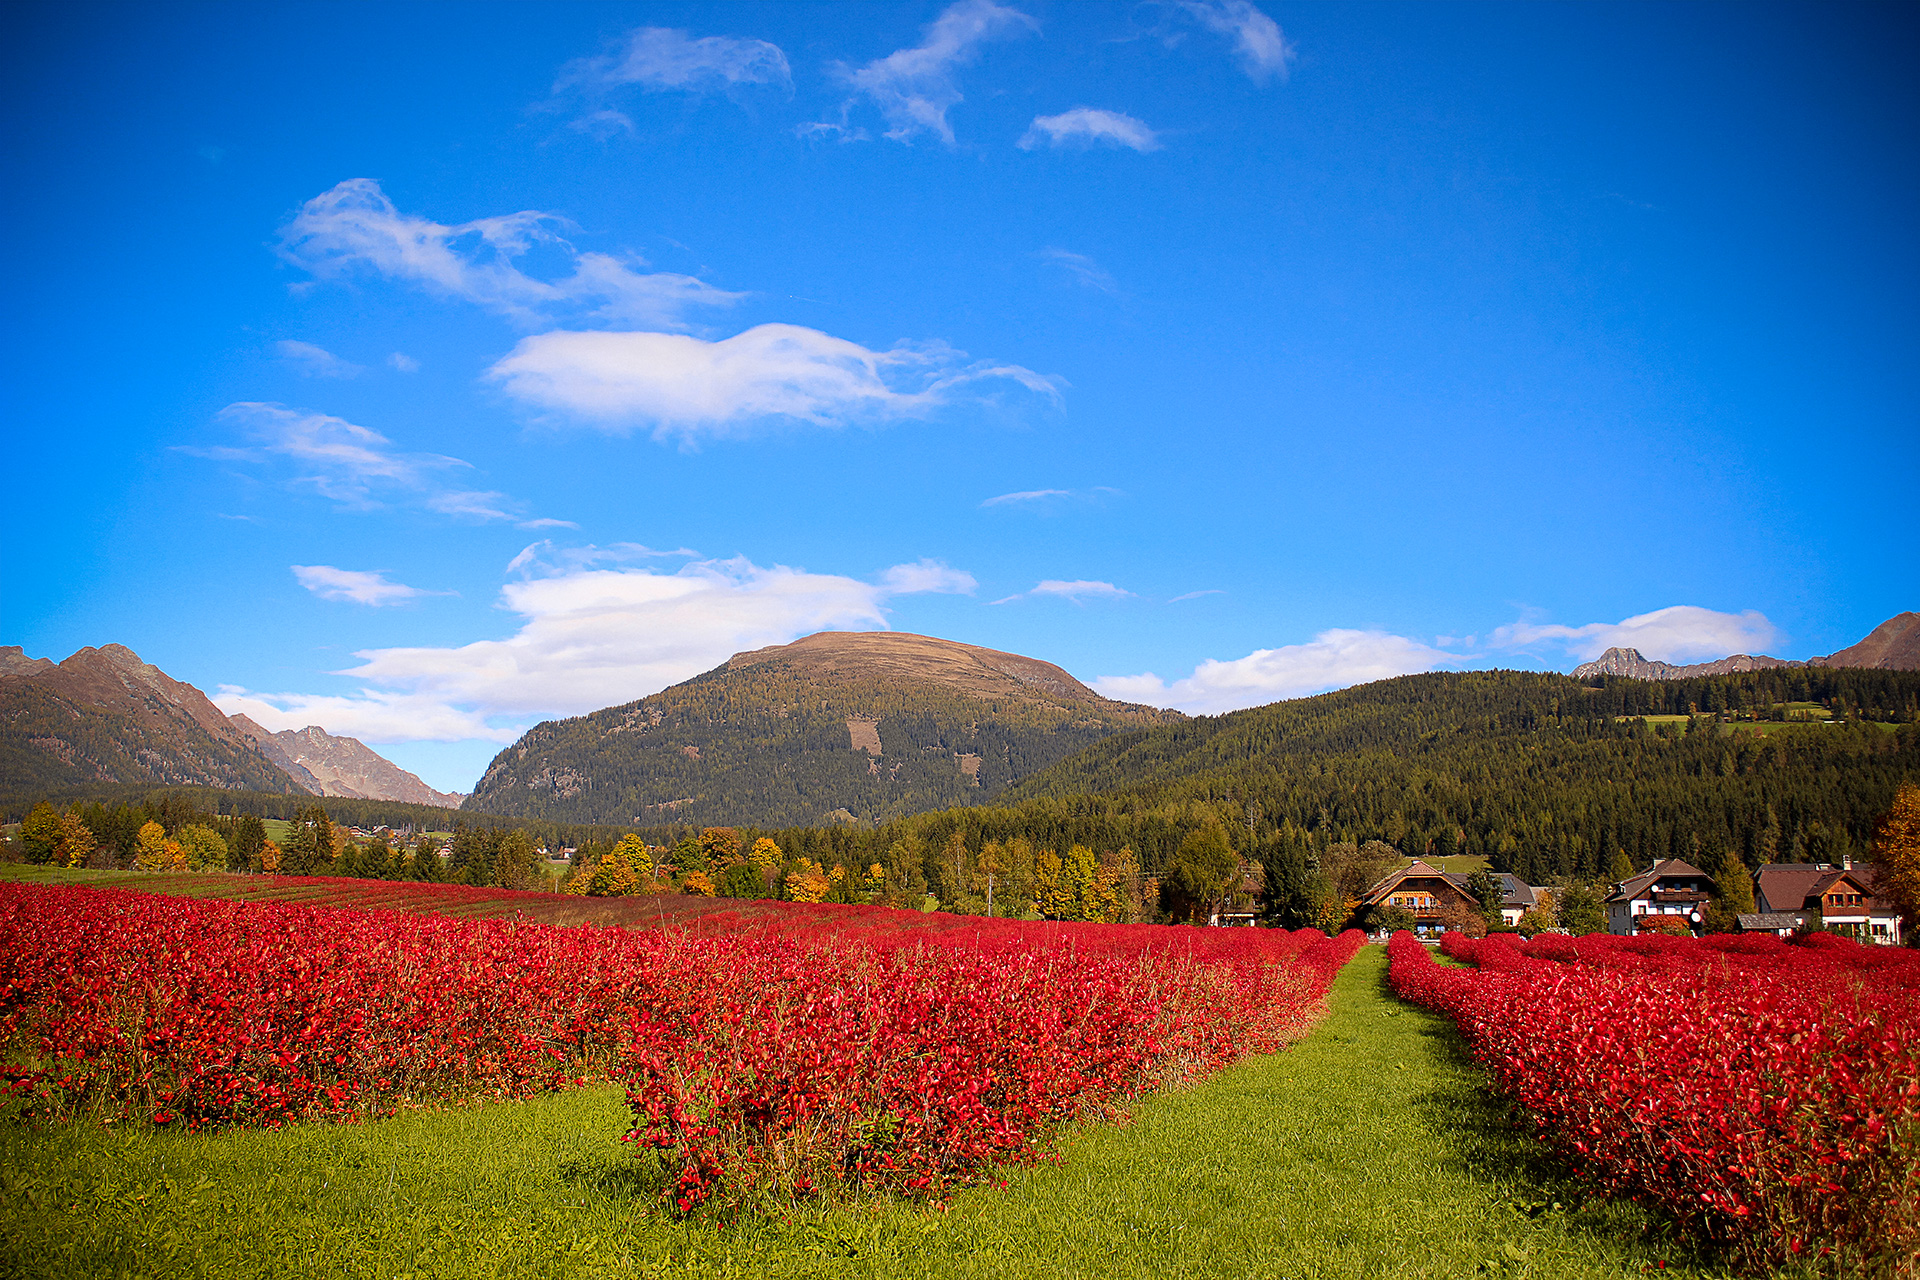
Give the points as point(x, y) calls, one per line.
point(1896, 854)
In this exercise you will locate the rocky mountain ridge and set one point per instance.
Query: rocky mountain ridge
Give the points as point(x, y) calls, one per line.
point(1894, 645)
point(105, 716)
point(335, 766)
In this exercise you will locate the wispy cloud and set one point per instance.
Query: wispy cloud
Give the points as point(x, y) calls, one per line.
point(588, 637)
point(662, 59)
point(1333, 660)
point(928, 576)
point(316, 362)
point(1258, 42)
point(355, 226)
point(915, 88)
point(1051, 499)
point(546, 522)
point(677, 385)
point(353, 466)
point(1026, 496)
point(1678, 633)
point(1082, 269)
point(401, 362)
point(354, 586)
point(1078, 591)
point(1195, 595)
point(1088, 126)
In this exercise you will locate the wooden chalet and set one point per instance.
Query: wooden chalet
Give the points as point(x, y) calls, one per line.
point(1671, 888)
point(1842, 898)
point(1424, 891)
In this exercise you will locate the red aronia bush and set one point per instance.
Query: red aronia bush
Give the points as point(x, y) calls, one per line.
point(1766, 1094)
point(783, 1055)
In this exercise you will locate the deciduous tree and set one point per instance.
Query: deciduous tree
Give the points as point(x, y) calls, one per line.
point(1896, 851)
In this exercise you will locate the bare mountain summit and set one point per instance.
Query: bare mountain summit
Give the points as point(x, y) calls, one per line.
point(868, 725)
point(1894, 645)
point(331, 766)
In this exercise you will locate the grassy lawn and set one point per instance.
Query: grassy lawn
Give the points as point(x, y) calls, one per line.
point(1367, 1150)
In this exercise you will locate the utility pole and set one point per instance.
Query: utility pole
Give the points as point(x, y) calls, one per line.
point(989, 895)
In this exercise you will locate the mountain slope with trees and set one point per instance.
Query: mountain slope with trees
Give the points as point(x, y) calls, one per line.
point(840, 726)
point(104, 716)
point(1547, 776)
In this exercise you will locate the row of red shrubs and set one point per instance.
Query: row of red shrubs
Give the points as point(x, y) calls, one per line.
point(754, 1062)
point(1765, 1094)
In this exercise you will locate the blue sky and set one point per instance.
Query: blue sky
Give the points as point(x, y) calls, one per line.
point(425, 371)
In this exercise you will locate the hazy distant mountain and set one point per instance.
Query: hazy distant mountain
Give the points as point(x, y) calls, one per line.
point(1631, 662)
point(332, 766)
point(104, 716)
point(1894, 645)
point(870, 725)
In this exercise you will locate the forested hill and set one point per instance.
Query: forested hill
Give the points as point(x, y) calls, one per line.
point(838, 727)
point(1546, 774)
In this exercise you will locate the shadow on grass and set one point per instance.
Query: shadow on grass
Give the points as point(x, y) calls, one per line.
point(618, 1177)
point(1485, 1137)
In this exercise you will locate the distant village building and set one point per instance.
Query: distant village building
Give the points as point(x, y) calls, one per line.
point(1842, 898)
point(1423, 891)
point(1517, 897)
point(1672, 888)
point(1428, 894)
point(1239, 905)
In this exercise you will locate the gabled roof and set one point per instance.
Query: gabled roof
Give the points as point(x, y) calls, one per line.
point(1769, 921)
point(1418, 871)
point(1515, 892)
point(1667, 868)
point(1790, 886)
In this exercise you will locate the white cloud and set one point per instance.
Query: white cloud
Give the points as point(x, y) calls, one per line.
point(353, 465)
point(353, 585)
point(1333, 660)
point(914, 88)
point(1195, 595)
point(546, 522)
point(1026, 496)
point(1257, 39)
point(589, 637)
point(928, 576)
point(355, 225)
point(1078, 591)
point(1679, 633)
point(1087, 126)
point(675, 384)
point(401, 362)
point(1083, 269)
point(660, 58)
point(316, 362)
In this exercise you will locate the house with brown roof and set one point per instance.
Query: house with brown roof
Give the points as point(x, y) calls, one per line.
point(1424, 891)
point(1670, 888)
point(1842, 898)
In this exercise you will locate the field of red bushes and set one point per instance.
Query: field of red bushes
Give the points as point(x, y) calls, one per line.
point(1765, 1093)
point(780, 1050)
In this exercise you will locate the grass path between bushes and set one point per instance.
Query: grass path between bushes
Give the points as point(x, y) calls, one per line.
point(1369, 1149)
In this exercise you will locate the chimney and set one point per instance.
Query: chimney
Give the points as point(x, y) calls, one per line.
point(1846, 862)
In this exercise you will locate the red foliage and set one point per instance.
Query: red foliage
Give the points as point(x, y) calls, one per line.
point(854, 1046)
point(1766, 1094)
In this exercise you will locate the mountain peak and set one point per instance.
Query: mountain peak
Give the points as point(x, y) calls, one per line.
point(1893, 645)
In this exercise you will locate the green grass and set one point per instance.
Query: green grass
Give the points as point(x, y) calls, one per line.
point(1369, 1150)
point(278, 829)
